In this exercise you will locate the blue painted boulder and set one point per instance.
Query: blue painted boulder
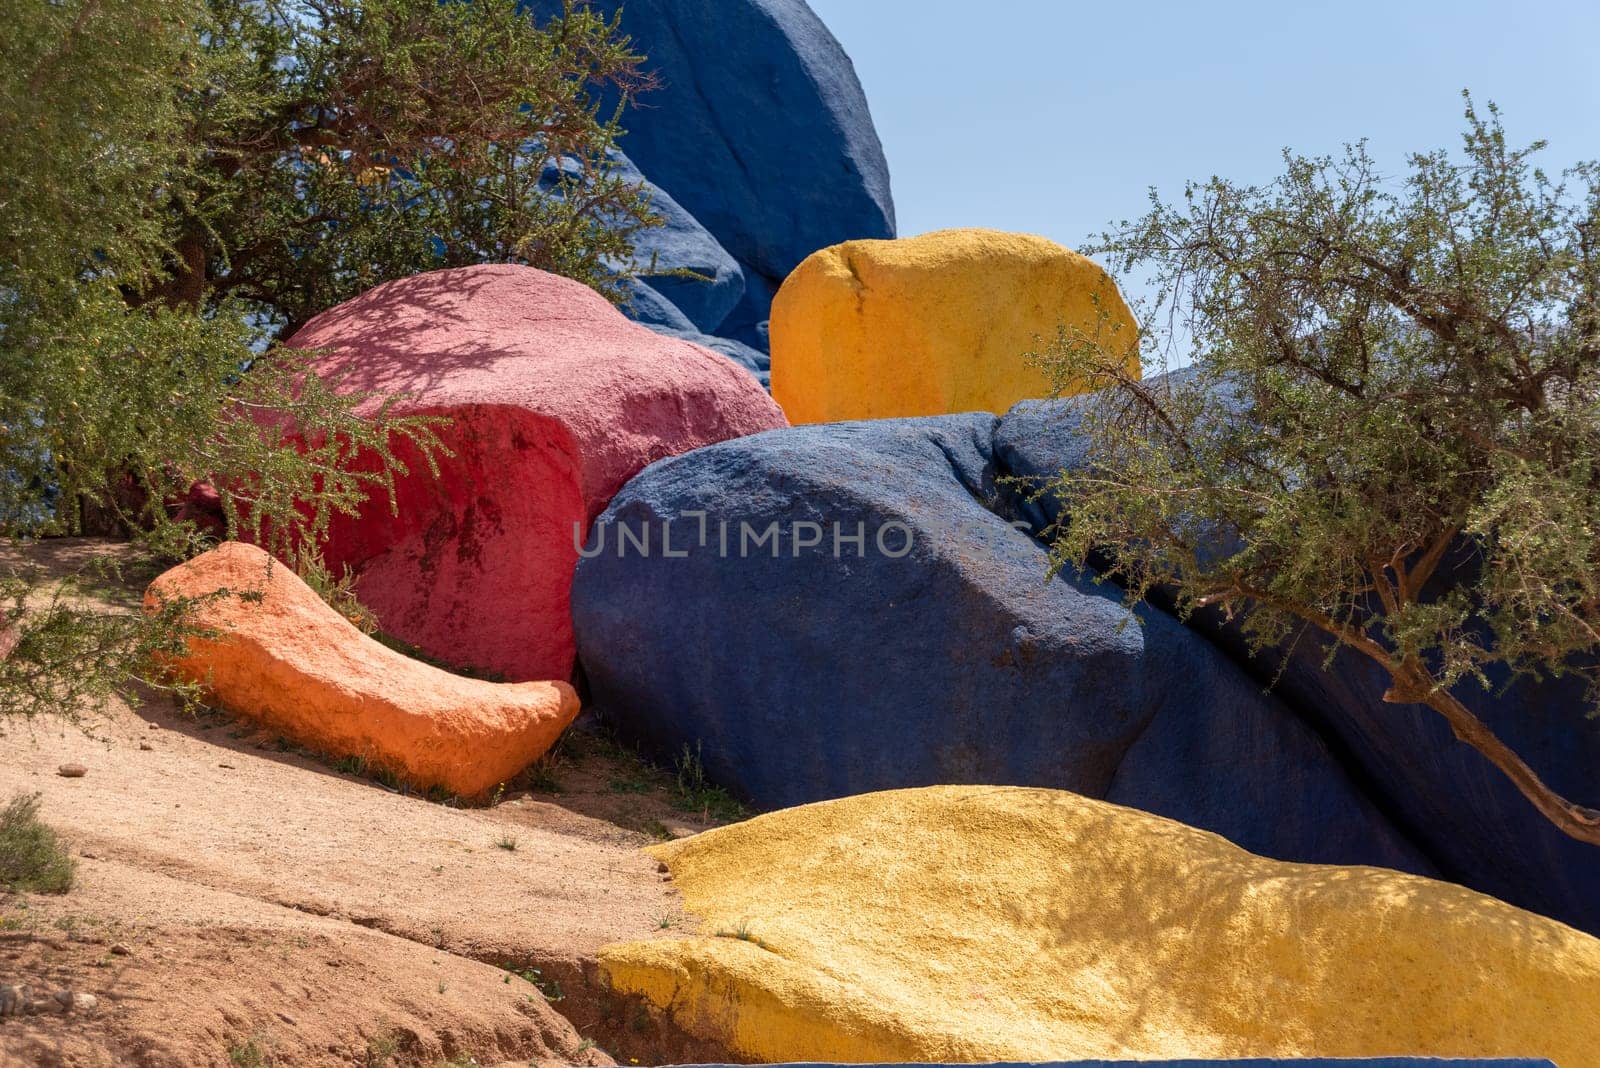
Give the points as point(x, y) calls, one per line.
point(752, 359)
point(681, 278)
point(759, 129)
point(680, 260)
point(649, 308)
point(834, 609)
point(1472, 824)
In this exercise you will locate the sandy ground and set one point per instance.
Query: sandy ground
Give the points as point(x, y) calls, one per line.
point(240, 902)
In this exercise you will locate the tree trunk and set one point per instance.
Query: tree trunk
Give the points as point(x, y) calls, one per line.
point(1577, 821)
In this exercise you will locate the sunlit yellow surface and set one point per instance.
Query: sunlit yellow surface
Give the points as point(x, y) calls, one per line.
point(986, 923)
point(932, 324)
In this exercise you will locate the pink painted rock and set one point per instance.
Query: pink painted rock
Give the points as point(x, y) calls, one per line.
point(276, 653)
point(554, 401)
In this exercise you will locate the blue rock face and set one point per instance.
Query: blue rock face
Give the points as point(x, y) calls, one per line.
point(754, 360)
point(1472, 824)
point(681, 244)
point(760, 131)
point(854, 616)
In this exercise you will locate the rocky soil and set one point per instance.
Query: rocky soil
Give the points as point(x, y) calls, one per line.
point(241, 902)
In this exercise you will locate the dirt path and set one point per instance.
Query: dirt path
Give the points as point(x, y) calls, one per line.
point(276, 911)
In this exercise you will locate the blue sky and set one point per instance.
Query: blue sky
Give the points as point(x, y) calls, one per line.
point(1054, 116)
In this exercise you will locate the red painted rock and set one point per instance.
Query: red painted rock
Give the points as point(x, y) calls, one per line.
point(554, 400)
point(276, 653)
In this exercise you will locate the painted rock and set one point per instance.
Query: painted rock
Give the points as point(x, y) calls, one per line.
point(989, 924)
point(932, 324)
point(759, 129)
point(680, 260)
point(553, 399)
point(1462, 812)
point(273, 651)
point(828, 610)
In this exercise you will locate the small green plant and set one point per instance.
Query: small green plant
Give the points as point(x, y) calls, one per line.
point(250, 1053)
point(696, 793)
point(657, 830)
point(352, 765)
point(542, 774)
point(622, 785)
point(339, 591)
point(382, 1049)
point(32, 857)
point(667, 921)
point(550, 988)
point(508, 842)
point(742, 933)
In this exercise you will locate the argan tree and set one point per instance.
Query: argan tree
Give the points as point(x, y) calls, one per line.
point(1391, 433)
point(185, 182)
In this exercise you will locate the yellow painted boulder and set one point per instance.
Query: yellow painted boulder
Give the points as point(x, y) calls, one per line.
point(933, 324)
point(964, 923)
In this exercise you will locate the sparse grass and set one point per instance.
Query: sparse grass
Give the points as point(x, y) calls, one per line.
point(541, 774)
point(741, 932)
point(32, 857)
point(628, 785)
point(405, 648)
point(508, 842)
point(550, 988)
point(250, 1053)
point(666, 921)
point(695, 793)
point(351, 765)
point(382, 1049)
point(657, 830)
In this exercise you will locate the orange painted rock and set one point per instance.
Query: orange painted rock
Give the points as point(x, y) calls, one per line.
point(275, 652)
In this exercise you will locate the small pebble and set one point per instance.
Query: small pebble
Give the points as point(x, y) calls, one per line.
point(120, 950)
point(146, 746)
point(72, 771)
point(68, 1001)
point(12, 1000)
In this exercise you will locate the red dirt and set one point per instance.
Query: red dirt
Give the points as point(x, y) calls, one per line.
point(266, 899)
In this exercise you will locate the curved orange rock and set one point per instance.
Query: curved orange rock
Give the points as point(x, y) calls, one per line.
point(278, 654)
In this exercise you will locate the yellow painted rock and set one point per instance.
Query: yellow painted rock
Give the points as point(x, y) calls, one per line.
point(933, 324)
point(965, 923)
